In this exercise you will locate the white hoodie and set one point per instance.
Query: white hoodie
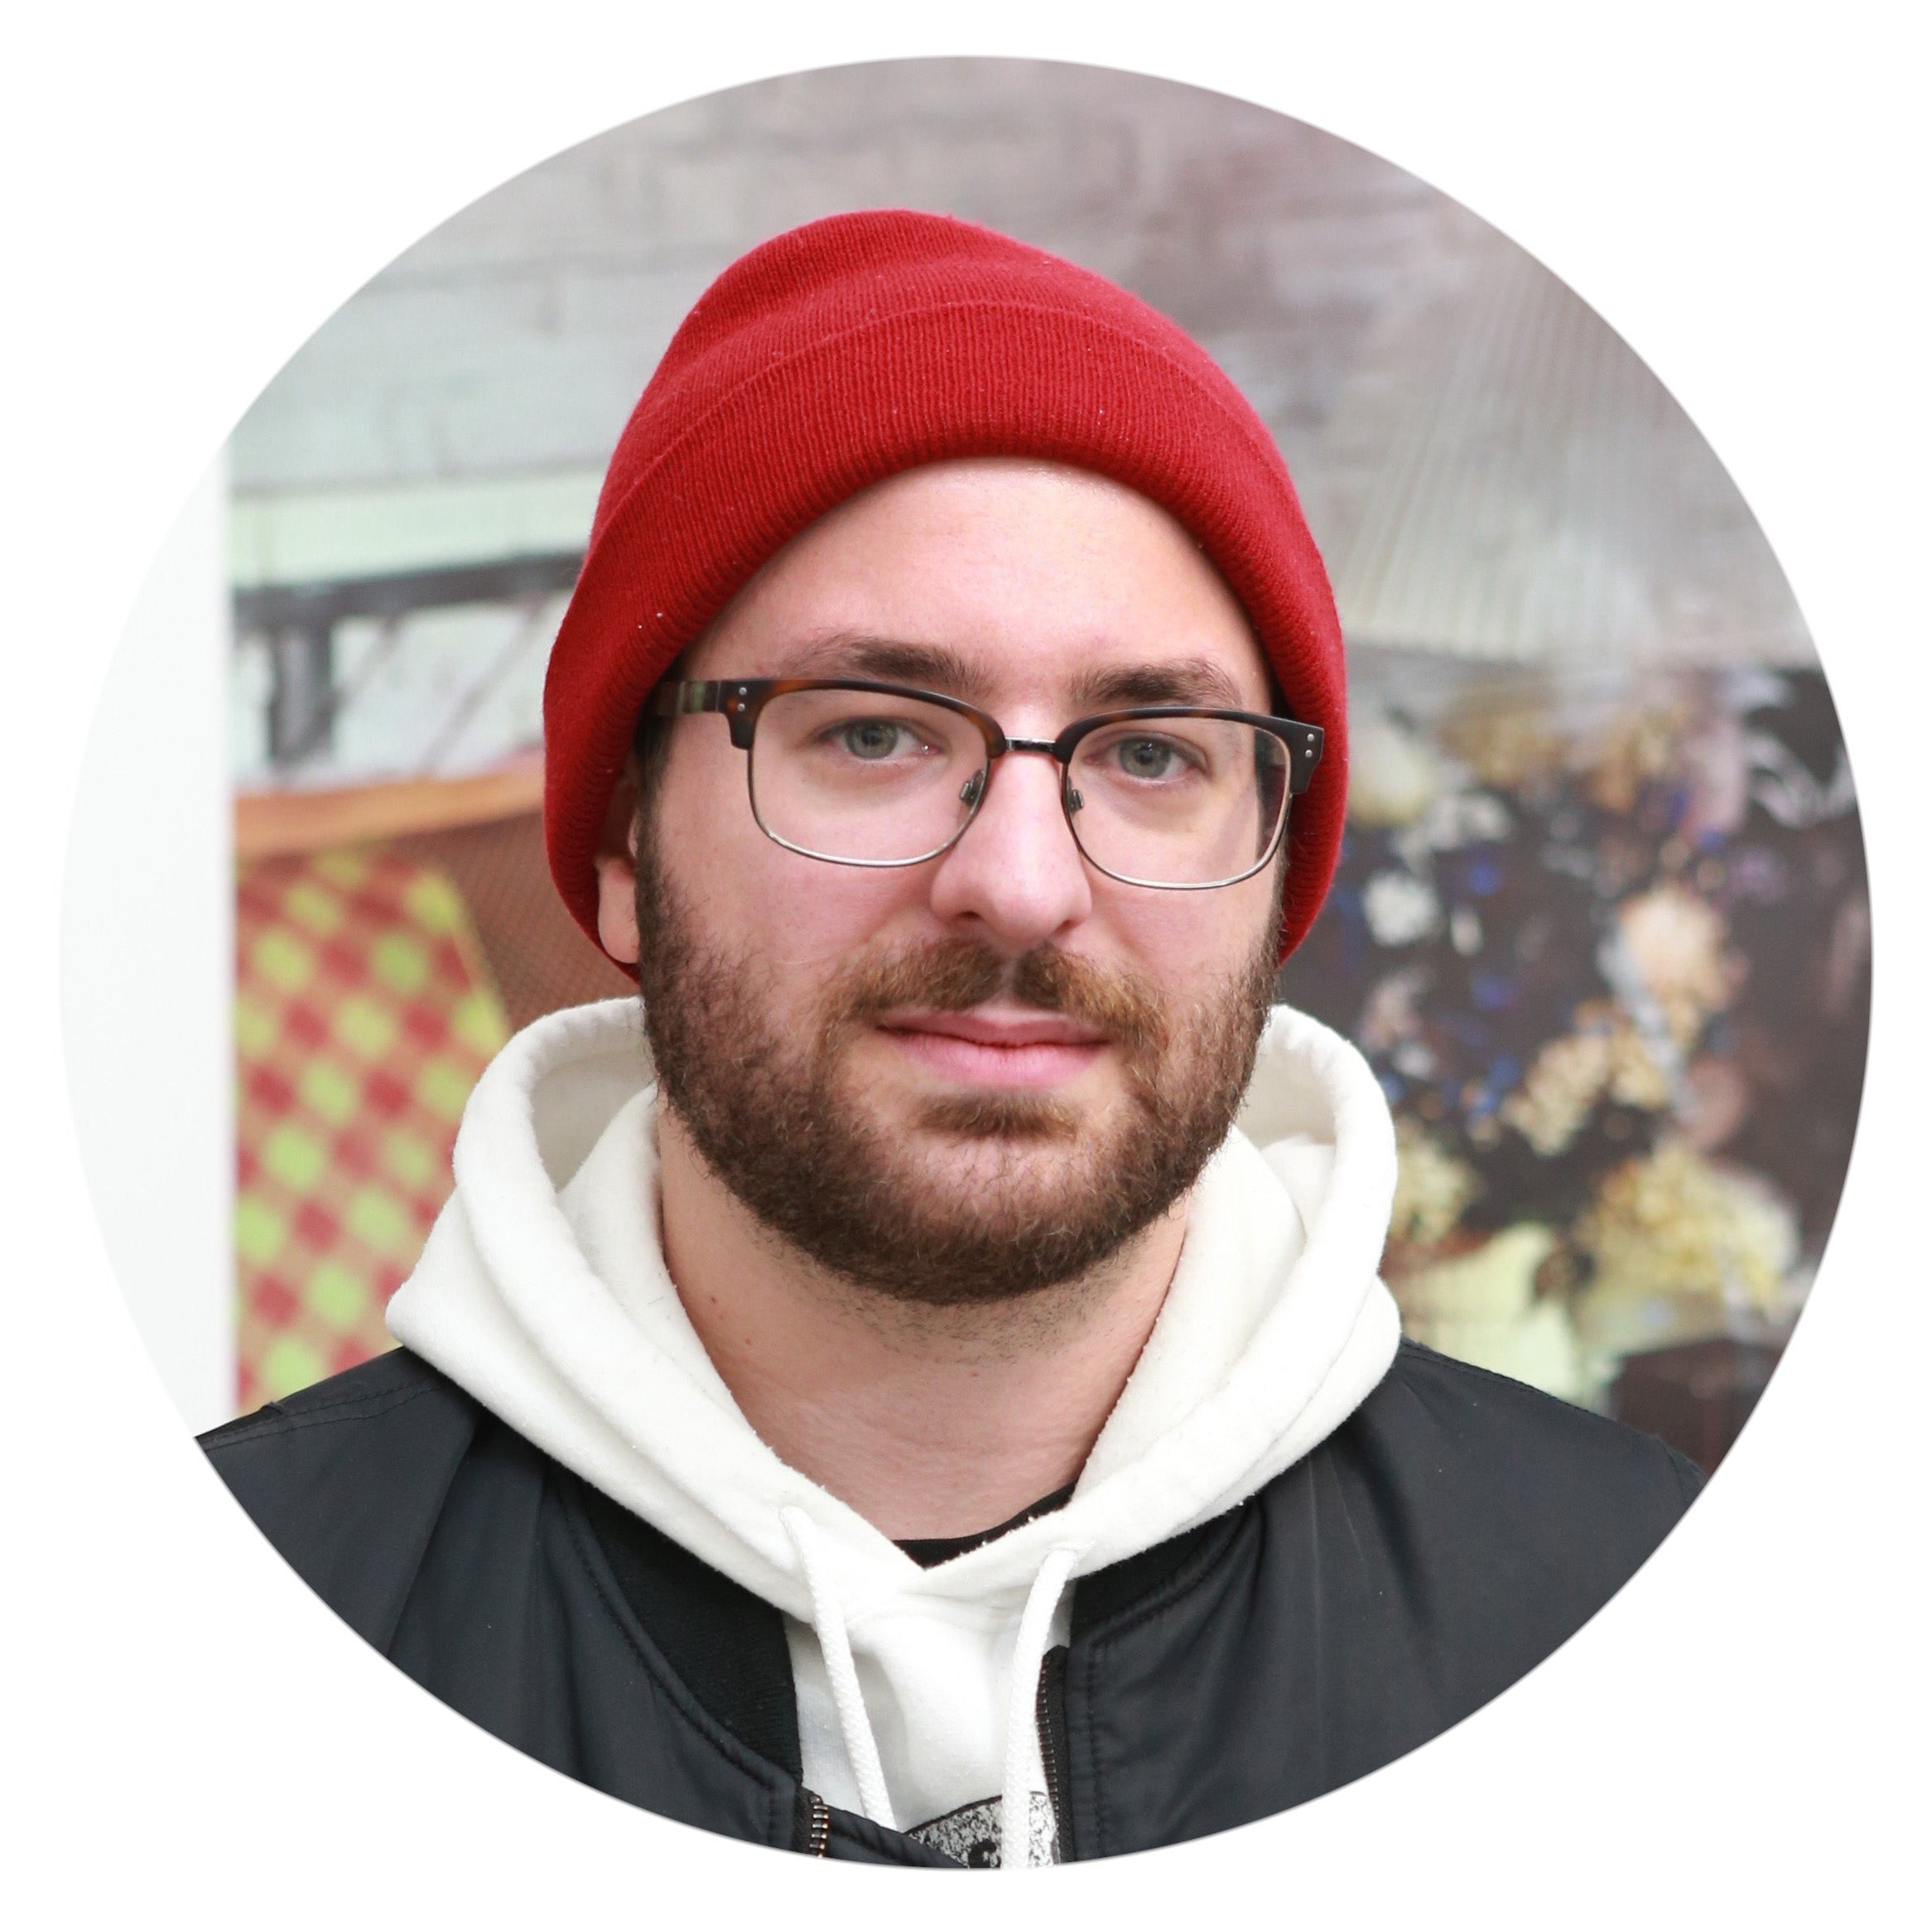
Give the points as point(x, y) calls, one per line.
point(542, 1292)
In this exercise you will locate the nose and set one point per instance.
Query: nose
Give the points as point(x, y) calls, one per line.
point(1016, 876)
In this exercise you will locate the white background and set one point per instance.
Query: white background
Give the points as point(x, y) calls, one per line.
point(189, 190)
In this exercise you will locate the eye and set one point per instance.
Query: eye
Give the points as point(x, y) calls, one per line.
point(872, 739)
point(1147, 758)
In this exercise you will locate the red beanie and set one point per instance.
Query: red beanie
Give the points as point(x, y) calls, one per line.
point(856, 347)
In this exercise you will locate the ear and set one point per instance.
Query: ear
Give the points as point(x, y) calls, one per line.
point(617, 876)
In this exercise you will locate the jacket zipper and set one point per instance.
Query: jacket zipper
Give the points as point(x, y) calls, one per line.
point(1050, 1714)
point(818, 1823)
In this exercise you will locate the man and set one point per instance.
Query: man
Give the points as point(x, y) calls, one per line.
point(936, 1404)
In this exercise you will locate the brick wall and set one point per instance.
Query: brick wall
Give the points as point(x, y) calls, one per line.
point(517, 336)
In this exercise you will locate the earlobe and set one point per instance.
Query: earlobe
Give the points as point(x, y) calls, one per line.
point(616, 863)
point(617, 908)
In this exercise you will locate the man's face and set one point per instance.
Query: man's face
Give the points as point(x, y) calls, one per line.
point(975, 1078)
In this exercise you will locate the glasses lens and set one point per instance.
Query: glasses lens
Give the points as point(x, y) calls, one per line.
point(1184, 801)
point(859, 776)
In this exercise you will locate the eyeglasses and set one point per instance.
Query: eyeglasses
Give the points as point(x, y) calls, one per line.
point(882, 777)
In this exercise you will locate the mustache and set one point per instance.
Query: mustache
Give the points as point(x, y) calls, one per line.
point(960, 974)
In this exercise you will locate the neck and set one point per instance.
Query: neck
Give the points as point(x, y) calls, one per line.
point(930, 1421)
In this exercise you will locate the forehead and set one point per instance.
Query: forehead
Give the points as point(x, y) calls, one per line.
point(997, 580)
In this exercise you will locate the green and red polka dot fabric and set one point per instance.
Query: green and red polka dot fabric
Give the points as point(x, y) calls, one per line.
point(363, 1016)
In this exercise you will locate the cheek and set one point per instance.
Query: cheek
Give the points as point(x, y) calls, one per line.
point(1184, 943)
point(795, 918)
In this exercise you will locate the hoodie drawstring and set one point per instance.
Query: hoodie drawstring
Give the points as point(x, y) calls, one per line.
point(1029, 1653)
point(829, 1623)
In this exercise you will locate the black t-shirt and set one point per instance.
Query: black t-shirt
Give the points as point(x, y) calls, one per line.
point(928, 1552)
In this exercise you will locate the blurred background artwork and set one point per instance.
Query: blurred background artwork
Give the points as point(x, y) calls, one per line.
point(1605, 940)
point(1601, 923)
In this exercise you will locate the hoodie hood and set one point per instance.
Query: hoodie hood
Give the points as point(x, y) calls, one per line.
point(542, 1292)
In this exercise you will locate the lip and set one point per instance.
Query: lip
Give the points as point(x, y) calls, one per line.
point(995, 1049)
point(994, 1027)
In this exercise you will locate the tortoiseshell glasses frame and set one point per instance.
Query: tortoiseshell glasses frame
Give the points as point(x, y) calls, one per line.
point(742, 702)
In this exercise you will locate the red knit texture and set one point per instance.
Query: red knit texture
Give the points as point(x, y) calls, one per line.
point(856, 347)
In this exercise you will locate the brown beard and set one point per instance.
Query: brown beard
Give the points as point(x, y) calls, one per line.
point(990, 1198)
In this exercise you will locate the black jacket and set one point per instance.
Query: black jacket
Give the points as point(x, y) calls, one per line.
point(1451, 1534)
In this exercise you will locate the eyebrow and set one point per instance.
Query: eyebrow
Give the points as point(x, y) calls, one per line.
point(1192, 681)
point(881, 657)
